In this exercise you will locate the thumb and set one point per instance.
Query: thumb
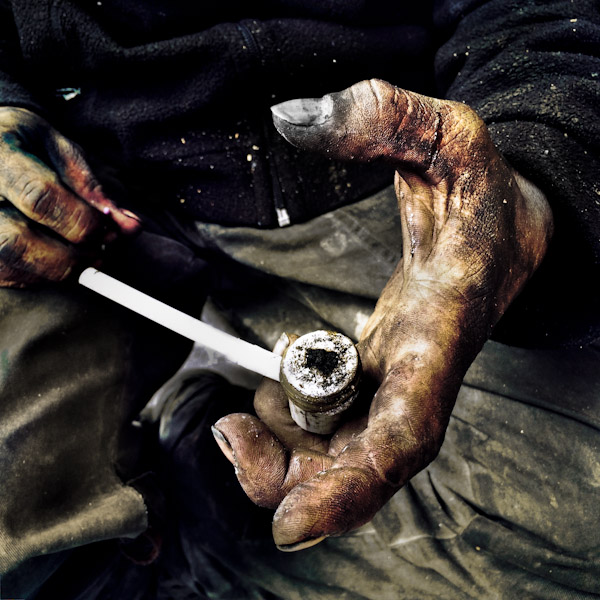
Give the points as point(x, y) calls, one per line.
point(374, 119)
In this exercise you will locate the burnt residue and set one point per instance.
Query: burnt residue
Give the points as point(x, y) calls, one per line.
point(324, 361)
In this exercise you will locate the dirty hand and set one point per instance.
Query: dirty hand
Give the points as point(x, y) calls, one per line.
point(52, 210)
point(473, 233)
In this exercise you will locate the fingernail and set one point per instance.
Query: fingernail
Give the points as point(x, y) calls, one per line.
point(128, 222)
point(305, 112)
point(130, 215)
point(224, 445)
point(307, 543)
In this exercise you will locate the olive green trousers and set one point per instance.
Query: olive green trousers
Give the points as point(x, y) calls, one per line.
point(509, 509)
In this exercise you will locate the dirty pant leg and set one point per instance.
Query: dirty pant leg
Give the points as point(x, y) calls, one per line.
point(74, 372)
point(508, 509)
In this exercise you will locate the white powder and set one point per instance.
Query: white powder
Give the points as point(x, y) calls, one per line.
point(320, 374)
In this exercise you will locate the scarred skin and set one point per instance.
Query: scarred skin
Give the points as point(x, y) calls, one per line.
point(474, 231)
point(54, 215)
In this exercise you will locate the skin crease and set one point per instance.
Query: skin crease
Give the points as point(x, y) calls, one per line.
point(53, 215)
point(473, 233)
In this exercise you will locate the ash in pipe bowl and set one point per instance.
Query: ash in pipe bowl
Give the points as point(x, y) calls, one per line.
point(320, 373)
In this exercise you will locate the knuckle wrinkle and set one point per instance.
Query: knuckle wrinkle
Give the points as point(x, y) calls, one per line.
point(12, 249)
point(39, 200)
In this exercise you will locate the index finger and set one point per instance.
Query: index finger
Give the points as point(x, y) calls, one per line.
point(70, 163)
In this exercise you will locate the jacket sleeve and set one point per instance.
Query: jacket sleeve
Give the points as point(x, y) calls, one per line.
point(532, 71)
point(13, 73)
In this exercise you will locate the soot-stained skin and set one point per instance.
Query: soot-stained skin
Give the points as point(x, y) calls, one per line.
point(473, 233)
point(53, 212)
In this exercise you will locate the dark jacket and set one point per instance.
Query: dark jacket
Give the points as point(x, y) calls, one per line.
point(175, 96)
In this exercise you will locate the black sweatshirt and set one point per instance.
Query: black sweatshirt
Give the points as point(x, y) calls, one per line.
point(175, 96)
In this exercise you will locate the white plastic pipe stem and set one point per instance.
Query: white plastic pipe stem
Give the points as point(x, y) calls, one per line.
point(242, 353)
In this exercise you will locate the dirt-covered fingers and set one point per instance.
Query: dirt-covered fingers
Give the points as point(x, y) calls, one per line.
point(403, 436)
point(27, 255)
point(272, 407)
point(70, 164)
point(53, 207)
point(374, 119)
point(265, 468)
point(369, 120)
point(37, 193)
point(46, 177)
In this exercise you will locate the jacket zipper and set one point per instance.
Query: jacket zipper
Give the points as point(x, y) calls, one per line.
point(283, 217)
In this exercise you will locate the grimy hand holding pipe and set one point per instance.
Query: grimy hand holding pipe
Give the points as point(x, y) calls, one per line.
point(54, 216)
point(473, 232)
